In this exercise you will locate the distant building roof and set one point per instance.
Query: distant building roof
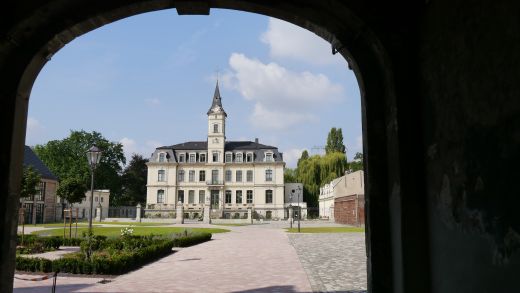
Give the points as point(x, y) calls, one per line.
point(31, 159)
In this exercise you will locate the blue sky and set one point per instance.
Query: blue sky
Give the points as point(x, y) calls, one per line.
point(148, 80)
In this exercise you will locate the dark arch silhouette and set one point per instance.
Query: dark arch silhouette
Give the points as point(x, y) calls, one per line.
point(440, 123)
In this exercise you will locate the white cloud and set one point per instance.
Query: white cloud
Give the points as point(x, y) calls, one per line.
point(129, 147)
point(286, 40)
point(35, 131)
point(282, 97)
point(291, 157)
point(152, 101)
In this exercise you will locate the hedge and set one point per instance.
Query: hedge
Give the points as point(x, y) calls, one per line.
point(191, 239)
point(119, 262)
point(49, 242)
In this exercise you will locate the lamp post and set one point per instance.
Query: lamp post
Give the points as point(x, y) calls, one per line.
point(93, 157)
point(299, 209)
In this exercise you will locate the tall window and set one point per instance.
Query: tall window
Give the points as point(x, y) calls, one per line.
point(249, 157)
point(191, 175)
point(239, 157)
point(268, 175)
point(182, 158)
point(268, 157)
point(229, 158)
point(228, 175)
point(162, 157)
point(215, 156)
point(228, 196)
point(161, 175)
point(215, 128)
point(192, 158)
point(40, 192)
point(214, 176)
point(181, 196)
point(180, 176)
point(249, 195)
point(268, 196)
point(191, 196)
point(201, 196)
point(238, 196)
point(202, 175)
point(249, 176)
point(160, 196)
point(202, 158)
point(239, 176)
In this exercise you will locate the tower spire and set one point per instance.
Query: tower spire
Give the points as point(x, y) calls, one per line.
point(216, 105)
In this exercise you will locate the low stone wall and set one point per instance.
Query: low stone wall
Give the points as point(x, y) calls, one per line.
point(350, 210)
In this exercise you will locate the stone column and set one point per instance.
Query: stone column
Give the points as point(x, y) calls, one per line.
point(98, 213)
point(291, 216)
point(138, 213)
point(250, 216)
point(180, 214)
point(207, 211)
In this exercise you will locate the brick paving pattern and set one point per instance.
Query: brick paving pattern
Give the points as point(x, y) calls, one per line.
point(334, 262)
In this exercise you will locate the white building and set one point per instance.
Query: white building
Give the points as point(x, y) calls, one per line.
point(230, 176)
point(347, 185)
point(101, 198)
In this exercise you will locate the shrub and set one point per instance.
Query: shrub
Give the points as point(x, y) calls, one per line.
point(192, 239)
point(112, 256)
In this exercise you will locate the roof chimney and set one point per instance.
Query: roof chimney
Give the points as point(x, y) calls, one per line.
point(256, 140)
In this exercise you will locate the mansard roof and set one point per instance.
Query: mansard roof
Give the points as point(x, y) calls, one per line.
point(230, 146)
point(31, 159)
point(216, 105)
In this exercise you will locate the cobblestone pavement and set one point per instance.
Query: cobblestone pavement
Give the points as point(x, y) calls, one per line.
point(333, 262)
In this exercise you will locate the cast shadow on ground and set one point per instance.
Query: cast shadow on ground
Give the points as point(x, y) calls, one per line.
point(290, 289)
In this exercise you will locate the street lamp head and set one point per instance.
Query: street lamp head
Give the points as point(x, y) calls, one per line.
point(93, 156)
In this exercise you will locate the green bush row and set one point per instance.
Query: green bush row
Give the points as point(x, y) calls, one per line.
point(191, 239)
point(122, 258)
point(50, 242)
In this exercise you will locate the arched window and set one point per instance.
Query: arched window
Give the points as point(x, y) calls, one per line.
point(160, 196)
point(161, 175)
point(162, 157)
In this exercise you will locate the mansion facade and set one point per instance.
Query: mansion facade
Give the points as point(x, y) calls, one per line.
point(228, 176)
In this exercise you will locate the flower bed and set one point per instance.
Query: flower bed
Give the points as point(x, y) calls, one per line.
point(112, 256)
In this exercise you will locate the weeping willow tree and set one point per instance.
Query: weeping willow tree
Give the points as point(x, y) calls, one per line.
point(318, 170)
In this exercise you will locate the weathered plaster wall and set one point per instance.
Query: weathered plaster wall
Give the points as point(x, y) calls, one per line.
point(470, 70)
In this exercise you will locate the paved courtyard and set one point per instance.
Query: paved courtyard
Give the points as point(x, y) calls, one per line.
point(258, 258)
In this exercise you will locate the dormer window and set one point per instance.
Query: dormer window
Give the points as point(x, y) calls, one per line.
point(269, 157)
point(182, 158)
point(192, 158)
point(202, 158)
point(162, 157)
point(239, 157)
point(215, 128)
point(215, 156)
point(249, 157)
point(229, 157)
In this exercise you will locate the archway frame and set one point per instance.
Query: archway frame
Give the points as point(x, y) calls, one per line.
point(40, 29)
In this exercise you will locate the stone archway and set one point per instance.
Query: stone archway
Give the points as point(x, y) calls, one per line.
point(37, 30)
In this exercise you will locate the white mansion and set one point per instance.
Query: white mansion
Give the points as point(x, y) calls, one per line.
point(230, 176)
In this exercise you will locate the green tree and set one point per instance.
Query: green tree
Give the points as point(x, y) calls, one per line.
point(357, 163)
point(30, 181)
point(134, 181)
point(67, 159)
point(304, 156)
point(289, 175)
point(335, 141)
point(72, 189)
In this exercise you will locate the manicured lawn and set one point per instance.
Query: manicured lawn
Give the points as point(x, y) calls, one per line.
point(231, 224)
point(116, 231)
point(326, 229)
point(134, 223)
